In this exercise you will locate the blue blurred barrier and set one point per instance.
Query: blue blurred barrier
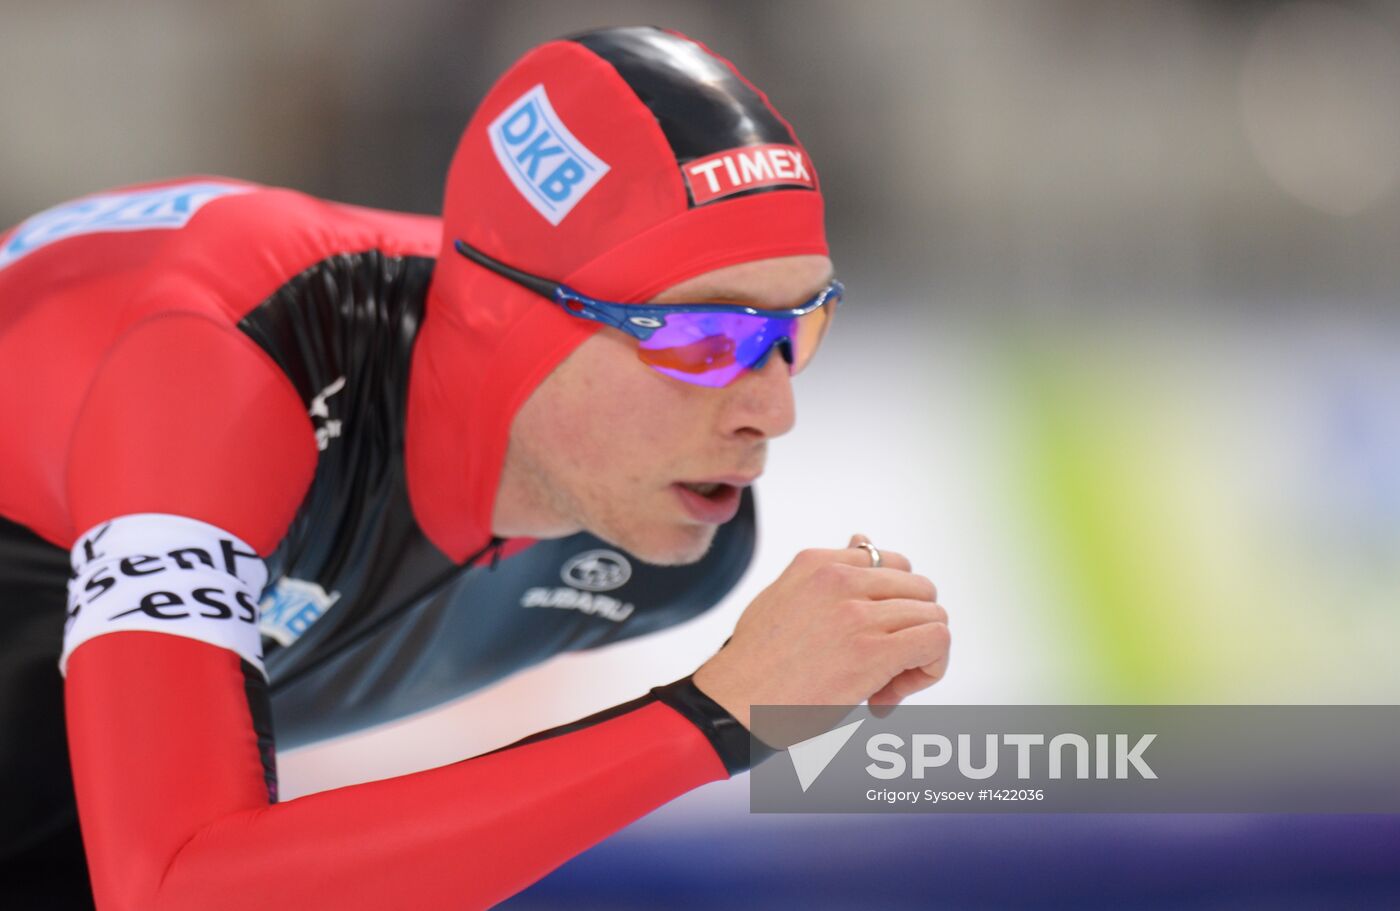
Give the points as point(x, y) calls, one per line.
point(966, 862)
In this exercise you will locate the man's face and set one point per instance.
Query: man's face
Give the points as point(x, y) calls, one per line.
point(606, 443)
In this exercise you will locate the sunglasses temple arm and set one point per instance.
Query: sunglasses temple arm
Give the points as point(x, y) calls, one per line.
point(541, 286)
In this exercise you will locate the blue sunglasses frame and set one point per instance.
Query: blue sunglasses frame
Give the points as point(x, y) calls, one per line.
point(638, 320)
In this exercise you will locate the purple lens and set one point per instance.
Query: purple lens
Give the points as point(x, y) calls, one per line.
point(712, 349)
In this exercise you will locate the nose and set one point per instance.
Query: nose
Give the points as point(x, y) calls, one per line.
point(760, 402)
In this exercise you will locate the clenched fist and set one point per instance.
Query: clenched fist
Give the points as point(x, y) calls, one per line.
point(832, 630)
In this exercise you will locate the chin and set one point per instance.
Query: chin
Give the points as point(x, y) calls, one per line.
point(674, 545)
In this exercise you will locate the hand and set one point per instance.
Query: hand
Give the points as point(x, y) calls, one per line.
point(832, 630)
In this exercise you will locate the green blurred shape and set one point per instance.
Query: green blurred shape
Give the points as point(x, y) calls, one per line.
point(1183, 543)
point(1102, 503)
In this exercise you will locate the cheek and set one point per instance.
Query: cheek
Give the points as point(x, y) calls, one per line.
point(623, 423)
point(645, 429)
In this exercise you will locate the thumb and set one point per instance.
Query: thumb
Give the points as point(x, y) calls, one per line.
point(858, 539)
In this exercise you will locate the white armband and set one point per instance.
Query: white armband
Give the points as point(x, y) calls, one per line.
point(160, 573)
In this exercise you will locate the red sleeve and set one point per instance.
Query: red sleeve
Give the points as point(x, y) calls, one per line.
point(187, 416)
point(175, 814)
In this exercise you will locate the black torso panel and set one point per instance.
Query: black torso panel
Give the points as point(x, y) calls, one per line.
point(368, 620)
point(364, 619)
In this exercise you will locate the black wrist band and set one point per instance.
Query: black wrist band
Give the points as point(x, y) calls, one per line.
point(731, 740)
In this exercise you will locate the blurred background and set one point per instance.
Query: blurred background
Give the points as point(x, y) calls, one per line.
point(1119, 369)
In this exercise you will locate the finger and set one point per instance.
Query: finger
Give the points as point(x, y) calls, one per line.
point(924, 646)
point(859, 556)
point(904, 685)
point(882, 583)
point(938, 669)
point(888, 558)
point(896, 614)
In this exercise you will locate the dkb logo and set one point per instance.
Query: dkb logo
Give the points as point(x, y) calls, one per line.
point(550, 168)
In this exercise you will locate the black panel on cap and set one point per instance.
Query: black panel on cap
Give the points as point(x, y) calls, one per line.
point(703, 107)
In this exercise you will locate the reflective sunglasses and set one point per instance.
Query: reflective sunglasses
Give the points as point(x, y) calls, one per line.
point(703, 344)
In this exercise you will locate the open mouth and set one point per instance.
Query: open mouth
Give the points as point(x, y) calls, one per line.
point(710, 489)
point(711, 502)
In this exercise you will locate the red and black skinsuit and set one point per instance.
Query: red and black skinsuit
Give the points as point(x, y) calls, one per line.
point(315, 396)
